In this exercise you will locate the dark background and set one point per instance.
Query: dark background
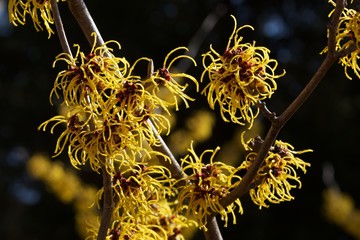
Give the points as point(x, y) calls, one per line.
point(295, 31)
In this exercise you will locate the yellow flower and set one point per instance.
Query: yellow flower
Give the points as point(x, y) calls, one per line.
point(206, 185)
point(112, 107)
point(164, 79)
point(164, 215)
point(348, 34)
point(137, 187)
point(94, 74)
point(19, 9)
point(239, 78)
point(128, 228)
point(277, 176)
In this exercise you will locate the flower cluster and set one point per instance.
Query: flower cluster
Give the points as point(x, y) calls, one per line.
point(142, 210)
point(110, 106)
point(19, 9)
point(239, 78)
point(206, 185)
point(107, 126)
point(138, 186)
point(348, 35)
point(277, 176)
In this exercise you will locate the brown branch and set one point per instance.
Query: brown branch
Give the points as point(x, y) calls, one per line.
point(265, 111)
point(307, 91)
point(173, 166)
point(60, 28)
point(82, 15)
point(333, 25)
point(107, 204)
point(78, 9)
point(213, 232)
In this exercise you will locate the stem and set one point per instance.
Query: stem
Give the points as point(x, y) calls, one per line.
point(173, 166)
point(277, 123)
point(107, 205)
point(85, 21)
point(60, 28)
point(333, 25)
point(78, 7)
point(248, 178)
point(213, 232)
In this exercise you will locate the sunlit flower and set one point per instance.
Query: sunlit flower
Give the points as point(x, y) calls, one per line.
point(128, 228)
point(93, 75)
point(165, 79)
point(138, 186)
point(112, 108)
point(277, 176)
point(163, 214)
point(239, 78)
point(207, 184)
point(125, 228)
point(161, 222)
point(347, 35)
point(19, 9)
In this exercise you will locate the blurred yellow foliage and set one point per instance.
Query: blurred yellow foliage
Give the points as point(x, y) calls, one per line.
point(67, 187)
point(339, 208)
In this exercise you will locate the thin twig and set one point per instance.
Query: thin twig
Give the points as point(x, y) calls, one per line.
point(200, 35)
point(85, 21)
point(307, 91)
point(265, 111)
point(173, 166)
point(60, 28)
point(213, 232)
point(278, 123)
point(333, 25)
point(78, 8)
point(107, 205)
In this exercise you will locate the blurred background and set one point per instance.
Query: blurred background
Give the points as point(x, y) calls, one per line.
point(294, 31)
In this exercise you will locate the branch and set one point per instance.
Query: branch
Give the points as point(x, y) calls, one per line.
point(266, 112)
point(333, 25)
point(60, 28)
point(108, 195)
point(107, 205)
point(213, 232)
point(173, 166)
point(85, 21)
point(248, 178)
